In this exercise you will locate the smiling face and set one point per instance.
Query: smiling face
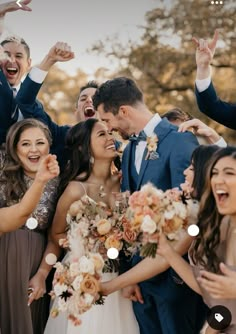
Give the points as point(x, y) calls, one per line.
point(17, 64)
point(84, 108)
point(189, 174)
point(223, 183)
point(118, 122)
point(102, 143)
point(31, 148)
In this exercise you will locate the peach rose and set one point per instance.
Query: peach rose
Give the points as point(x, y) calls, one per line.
point(103, 226)
point(98, 261)
point(89, 285)
point(129, 235)
point(113, 242)
point(74, 209)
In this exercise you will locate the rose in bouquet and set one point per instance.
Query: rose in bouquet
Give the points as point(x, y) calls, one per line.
point(76, 285)
point(152, 211)
point(93, 227)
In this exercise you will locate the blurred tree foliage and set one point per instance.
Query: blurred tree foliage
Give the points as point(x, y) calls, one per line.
point(163, 62)
point(59, 94)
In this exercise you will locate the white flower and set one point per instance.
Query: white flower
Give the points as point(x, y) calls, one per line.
point(148, 225)
point(180, 209)
point(59, 267)
point(74, 269)
point(169, 214)
point(62, 304)
point(83, 228)
point(77, 281)
point(59, 289)
point(86, 265)
point(88, 299)
point(68, 218)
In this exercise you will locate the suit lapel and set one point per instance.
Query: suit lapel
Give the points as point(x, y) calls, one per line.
point(126, 167)
point(161, 130)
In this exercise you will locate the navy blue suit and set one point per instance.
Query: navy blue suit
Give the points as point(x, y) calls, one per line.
point(7, 107)
point(220, 111)
point(30, 107)
point(169, 305)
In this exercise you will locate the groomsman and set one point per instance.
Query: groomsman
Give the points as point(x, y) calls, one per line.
point(18, 98)
point(169, 305)
point(208, 101)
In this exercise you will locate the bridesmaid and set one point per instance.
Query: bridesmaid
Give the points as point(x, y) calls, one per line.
point(24, 192)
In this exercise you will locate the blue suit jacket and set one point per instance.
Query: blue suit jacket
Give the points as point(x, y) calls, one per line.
point(162, 311)
point(30, 107)
point(220, 111)
point(166, 172)
point(7, 107)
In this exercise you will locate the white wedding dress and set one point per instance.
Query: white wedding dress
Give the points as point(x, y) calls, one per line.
point(115, 316)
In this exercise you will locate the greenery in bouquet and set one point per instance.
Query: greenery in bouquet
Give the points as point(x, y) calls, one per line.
point(152, 211)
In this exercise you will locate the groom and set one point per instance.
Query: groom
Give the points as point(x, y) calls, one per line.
point(169, 305)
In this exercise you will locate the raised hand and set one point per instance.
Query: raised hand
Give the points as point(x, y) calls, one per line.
point(219, 286)
point(205, 50)
point(204, 54)
point(59, 52)
point(12, 6)
point(48, 169)
point(201, 129)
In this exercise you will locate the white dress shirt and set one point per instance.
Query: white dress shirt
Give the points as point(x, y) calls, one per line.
point(203, 84)
point(149, 131)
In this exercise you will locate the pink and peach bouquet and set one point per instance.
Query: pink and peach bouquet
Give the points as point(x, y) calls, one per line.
point(76, 285)
point(152, 211)
point(93, 227)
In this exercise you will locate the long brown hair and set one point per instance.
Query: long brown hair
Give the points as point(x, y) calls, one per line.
point(204, 250)
point(13, 172)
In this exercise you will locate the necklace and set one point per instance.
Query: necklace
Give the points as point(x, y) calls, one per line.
point(101, 191)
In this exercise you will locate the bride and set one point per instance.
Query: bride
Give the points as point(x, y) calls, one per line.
point(89, 173)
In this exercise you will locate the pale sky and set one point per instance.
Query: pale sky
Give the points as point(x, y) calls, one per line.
point(80, 23)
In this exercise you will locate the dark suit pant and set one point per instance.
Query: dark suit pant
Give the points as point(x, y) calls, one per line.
point(170, 307)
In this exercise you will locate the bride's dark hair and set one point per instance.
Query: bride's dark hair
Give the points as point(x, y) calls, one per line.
point(204, 250)
point(78, 141)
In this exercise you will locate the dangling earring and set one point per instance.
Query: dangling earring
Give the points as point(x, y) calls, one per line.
point(91, 160)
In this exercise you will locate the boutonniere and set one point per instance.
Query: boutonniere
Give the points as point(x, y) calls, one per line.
point(152, 143)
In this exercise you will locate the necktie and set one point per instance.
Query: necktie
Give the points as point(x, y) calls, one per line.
point(141, 137)
point(14, 91)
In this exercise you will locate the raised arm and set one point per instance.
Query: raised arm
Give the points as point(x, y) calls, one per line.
point(201, 129)
point(16, 215)
point(148, 268)
point(208, 101)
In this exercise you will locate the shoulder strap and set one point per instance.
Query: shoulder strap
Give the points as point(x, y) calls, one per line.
point(85, 192)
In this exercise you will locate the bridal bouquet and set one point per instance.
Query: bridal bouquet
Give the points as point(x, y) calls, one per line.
point(76, 285)
point(152, 211)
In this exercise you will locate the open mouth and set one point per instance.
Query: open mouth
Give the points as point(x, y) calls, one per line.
point(111, 147)
point(34, 159)
point(11, 70)
point(222, 195)
point(89, 112)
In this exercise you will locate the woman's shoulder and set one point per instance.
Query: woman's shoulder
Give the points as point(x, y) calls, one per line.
point(75, 189)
